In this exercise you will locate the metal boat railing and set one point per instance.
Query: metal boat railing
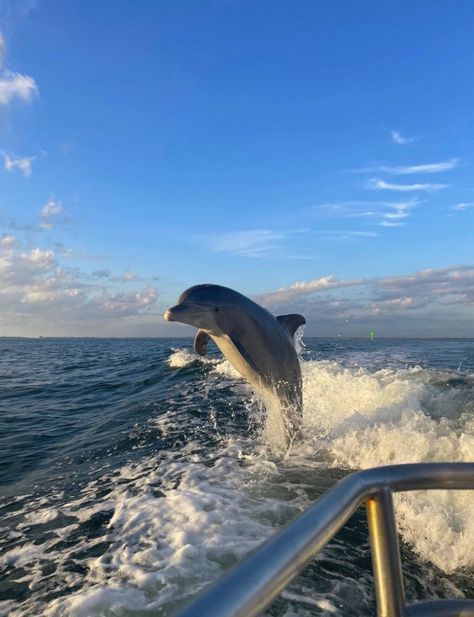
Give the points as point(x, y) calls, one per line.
point(255, 582)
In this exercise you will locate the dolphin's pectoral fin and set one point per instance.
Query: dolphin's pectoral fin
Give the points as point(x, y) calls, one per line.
point(291, 322)
point(201, 341)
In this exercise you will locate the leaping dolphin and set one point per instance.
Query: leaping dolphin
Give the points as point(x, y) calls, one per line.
point(257, 344)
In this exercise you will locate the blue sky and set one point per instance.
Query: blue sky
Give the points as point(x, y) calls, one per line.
point(317, 156)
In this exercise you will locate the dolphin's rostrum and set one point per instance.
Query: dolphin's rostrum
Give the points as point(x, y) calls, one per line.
point(257, 344)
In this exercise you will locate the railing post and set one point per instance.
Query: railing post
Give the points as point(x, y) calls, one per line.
point(385, 555)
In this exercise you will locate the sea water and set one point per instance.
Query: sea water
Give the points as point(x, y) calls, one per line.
point(133, 472)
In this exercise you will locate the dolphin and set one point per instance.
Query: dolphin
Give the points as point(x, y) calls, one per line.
point(259, 345)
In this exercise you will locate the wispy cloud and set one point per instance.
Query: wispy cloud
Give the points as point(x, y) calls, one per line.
point(426, 168)
point(246, 243)
point(381, 185)
point(254, 243)
point(49, 215)
point(14, 85)
point(397, 213)
point(345, 234)
point(349, 209)
point(23, 164)
point(50, 211)
point(399, 139)
point(384, 213)
point(386, 223)
point(461, 207)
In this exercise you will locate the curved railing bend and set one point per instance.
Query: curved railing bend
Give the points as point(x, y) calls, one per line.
point(253, 584)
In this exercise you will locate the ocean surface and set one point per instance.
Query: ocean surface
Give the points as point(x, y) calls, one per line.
point(133, 472)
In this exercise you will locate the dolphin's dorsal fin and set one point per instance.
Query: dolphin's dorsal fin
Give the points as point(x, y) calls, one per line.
point(291, 322)
point(200, 342)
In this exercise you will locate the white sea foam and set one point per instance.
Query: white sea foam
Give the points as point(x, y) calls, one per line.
point(169, 546)
point(179, 358)
point(226, 369)
point(363, 420)
point(45, 515)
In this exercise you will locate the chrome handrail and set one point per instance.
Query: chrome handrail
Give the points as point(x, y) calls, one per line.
point(252, 585)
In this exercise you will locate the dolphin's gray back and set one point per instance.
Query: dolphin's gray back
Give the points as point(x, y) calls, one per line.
point(268, 347)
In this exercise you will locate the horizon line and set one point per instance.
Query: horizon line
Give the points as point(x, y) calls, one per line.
point(362, 338)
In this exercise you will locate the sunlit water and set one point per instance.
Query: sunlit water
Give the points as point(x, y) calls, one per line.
point(133, 472)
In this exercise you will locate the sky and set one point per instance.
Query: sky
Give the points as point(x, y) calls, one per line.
point(315, 156)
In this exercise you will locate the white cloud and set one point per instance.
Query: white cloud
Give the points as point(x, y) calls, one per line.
point(421, 287)
point(463, 206)
point(397, 138)
point(384, 306)
point(391, 224)
point(49, 297)
point(399, 210)
point(42, 258)
point(50, 209)
point(377, 184)
point(19, 269)
point(344, 205)
point(341, 234)
point(14, 85)
point(306, 288)
point(453, 285)
point(48, 212)
point(11, 163)
point(7, 241)
point(247, 243)
point(383, 213)
point(427, 303)
point(129, 276)
point(35, 289)
point(123, 304)
point(424, 168)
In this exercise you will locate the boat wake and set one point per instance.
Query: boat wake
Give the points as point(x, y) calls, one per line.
point(147, 535)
